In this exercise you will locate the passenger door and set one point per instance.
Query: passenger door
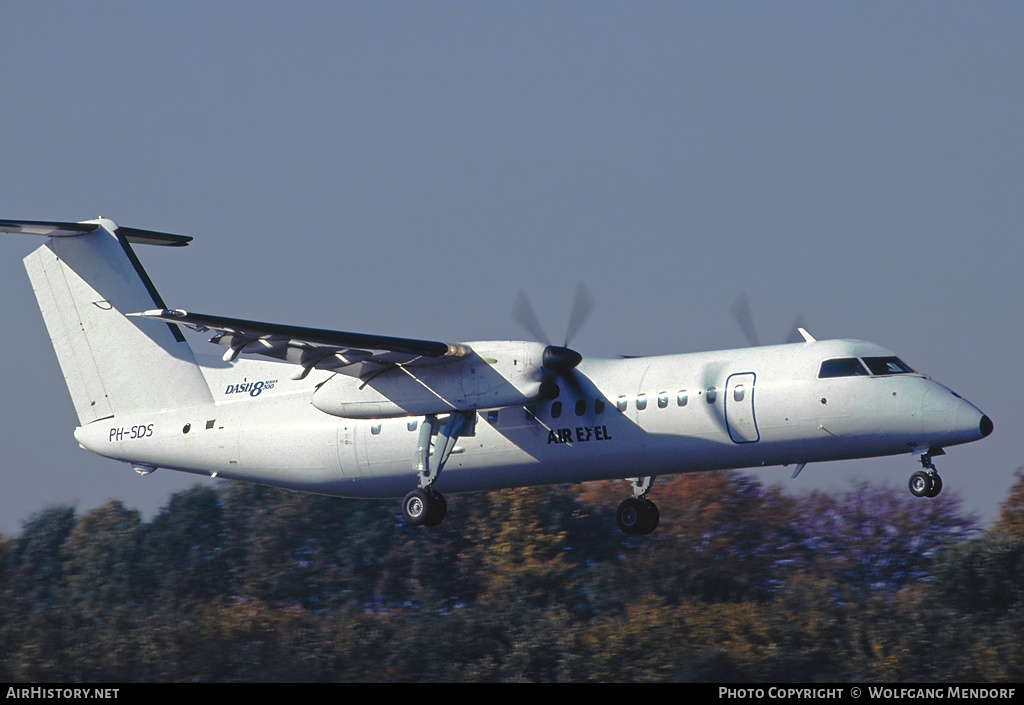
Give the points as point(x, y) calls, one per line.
point(739, 408)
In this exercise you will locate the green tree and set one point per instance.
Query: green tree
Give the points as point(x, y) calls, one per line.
point(983, 577)
point(292, 548)
point(182, 550)
point(37, 554)
point(101, 558)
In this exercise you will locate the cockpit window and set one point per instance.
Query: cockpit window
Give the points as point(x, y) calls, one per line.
point(887, 366)
point(842, 367)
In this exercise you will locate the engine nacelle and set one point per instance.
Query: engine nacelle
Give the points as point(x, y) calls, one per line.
point(496, 374)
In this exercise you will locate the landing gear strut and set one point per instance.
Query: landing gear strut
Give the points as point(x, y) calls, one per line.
point(425, 506)
point(638, 515)
point(927, 483)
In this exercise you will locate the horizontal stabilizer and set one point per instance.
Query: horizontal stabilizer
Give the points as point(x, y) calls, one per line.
point(48, 228)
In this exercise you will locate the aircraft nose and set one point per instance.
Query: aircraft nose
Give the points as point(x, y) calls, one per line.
point(985, 426)
point(950, 419)
point(971, 421)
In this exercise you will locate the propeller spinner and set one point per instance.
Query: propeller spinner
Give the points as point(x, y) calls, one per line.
point(559, 361)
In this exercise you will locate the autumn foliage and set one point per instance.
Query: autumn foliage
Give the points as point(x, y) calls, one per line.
point(739, 583)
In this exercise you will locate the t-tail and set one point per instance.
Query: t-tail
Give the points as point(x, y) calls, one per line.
point(86, 277)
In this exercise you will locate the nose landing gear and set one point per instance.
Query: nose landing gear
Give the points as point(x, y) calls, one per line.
point(927, 483)
point(638, 515)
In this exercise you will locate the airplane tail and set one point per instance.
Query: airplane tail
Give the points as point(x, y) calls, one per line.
point(86, 277)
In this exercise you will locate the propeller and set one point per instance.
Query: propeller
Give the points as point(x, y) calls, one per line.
point(745, 319)
point(558, 361)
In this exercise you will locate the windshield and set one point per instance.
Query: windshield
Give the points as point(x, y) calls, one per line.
point(887, 366)
point(842, 367)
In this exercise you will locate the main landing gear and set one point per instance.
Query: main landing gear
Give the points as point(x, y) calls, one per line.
point(638, 515)
point(927, 483)
point(425, 506)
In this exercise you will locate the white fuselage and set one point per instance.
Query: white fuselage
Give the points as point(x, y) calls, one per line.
point(631, 417)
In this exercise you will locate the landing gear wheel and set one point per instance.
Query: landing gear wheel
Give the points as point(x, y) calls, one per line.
point(921, 484)
point(936, 485)
point(653, 516)
point(438, 509)
point(628, 516)
point(637, 517)
point(416, 507)
point(424, 507)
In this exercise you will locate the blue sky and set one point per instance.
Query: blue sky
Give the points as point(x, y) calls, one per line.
point(405, 168)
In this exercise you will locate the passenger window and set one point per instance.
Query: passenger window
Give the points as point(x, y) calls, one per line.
point(581, 407)
point(641, 401)
point(556, 409)
point(412, 425)
point(841, 367)
point(663, 400)
point(599, 406)
point(492, 416)
point(737, 393)
point(712, 395)
point(375, 429)
point(681, 398)
point(622, 403)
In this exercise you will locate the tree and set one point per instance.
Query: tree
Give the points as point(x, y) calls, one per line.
point(37, 554)
point(101, 558)
point(983, 578)
point(293, 548)
point(879, 539)
point(182, 550)
point(722, 537)
point(1011, 518)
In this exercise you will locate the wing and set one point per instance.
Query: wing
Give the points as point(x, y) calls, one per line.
point(353, 354)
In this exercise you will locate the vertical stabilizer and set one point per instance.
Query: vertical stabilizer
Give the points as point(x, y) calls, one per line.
point(112, 364)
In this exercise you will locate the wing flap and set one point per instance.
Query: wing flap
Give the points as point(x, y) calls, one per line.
point(353, 354)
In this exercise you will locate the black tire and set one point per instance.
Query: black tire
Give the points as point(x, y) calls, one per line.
point(416, 507)
point(629, 516)
point(650, 517)
point(920, 484)
point(936, 485)
point(438, 509)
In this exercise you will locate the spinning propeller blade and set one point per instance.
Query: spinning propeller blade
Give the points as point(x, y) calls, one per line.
point(559, 361)
point(581, 309)
point(524, 314)
point(745, 319)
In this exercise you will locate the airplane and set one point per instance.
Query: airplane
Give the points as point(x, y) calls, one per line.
point(357, 415)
